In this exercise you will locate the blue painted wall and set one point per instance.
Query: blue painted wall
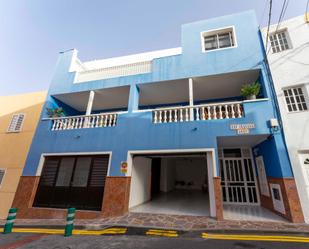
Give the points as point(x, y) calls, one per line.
point(135, 131)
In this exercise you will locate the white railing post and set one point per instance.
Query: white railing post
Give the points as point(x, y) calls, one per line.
point(200, 112)
point(191, 99)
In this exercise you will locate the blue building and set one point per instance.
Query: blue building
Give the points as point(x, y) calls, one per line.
point(168, 127)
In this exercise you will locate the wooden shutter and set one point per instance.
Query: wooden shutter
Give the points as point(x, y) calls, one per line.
point(99, 171)
point(49, 173)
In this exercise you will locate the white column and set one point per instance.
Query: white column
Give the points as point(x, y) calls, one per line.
point(90, 102)
point(191, 99)
point(212, 172)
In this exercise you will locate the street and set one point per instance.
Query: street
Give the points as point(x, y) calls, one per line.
point(40, 241)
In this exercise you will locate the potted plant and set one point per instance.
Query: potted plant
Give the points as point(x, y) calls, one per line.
point(250, 91)
point(55, 112)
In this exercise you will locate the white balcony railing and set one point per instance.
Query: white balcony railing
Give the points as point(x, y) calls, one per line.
point(198, 112)
point(80, 122)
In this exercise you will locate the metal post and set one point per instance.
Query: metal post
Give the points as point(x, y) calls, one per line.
point(10, 221)
point(70, 222)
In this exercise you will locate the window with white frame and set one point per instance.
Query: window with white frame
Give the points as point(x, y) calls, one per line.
point(223, 38)
point(16, 122)
point(279, 41)
point(295, 99)
point(2, 172)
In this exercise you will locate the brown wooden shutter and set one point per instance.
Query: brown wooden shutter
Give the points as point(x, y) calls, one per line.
point(49, 172)
point(99, 171)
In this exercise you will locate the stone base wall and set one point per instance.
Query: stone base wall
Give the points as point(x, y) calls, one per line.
point(115, 201)
point(116, 196)
point(218, 198)
point(293, 209)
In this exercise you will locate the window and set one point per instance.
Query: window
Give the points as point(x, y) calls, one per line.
point(295, 99)
point(2, 171)
point(218, 39)
point(16, 123)
point(279, 41)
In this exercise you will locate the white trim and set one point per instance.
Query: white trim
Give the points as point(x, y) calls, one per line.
point(202, 34)
point(43, 155)
point(303, 88)
point(4, 169)
point(212, 171)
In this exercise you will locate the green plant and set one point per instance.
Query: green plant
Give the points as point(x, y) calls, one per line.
point(55, 112)
point(250, 89)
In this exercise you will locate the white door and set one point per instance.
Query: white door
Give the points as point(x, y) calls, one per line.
point(262, 176)
point(238, 181)
point(140, 181)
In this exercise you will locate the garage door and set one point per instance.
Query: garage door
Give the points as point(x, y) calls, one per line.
point(72, 181)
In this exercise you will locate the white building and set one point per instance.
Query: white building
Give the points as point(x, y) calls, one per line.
point(288, 55)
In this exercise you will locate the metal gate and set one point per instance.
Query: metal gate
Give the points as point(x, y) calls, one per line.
point(238, 181)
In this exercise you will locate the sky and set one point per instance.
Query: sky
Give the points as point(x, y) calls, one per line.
point(33, 32)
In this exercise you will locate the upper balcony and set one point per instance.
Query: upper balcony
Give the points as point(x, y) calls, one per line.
point(196, 99)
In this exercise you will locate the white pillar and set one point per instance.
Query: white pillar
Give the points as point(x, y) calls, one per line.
point(191, 101)
point(90, 102)
point(212, 172)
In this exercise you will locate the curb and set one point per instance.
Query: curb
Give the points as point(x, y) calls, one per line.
point(141, 230)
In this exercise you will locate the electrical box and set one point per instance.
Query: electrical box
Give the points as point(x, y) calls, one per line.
point(273, 122)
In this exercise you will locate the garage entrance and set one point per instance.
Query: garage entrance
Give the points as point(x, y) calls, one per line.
point(170, 183)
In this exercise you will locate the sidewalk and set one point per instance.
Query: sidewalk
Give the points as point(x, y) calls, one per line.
point(178, 222)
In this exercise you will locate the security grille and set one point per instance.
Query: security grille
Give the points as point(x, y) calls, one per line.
point(16, 123)
point(238, 179)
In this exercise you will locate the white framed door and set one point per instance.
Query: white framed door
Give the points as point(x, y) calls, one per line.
point(238, 181)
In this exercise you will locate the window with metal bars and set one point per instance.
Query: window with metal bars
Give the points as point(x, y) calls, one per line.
point(279, 41)
point(218, 39)
point(72, 181)
point(295, 99)
point(2, 172)
point(16, 123)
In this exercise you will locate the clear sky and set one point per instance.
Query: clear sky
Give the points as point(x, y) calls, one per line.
point(33, 32)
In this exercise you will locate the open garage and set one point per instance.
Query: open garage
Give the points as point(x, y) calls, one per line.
point(170, 183)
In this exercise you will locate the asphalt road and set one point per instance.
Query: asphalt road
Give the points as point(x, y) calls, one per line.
point(38, 241)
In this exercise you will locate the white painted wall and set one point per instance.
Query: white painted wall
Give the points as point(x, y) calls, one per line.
point(291, 68)
point(140, 181)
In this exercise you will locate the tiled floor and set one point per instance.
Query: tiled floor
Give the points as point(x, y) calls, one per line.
point(177, 202)
point(250, 213)
point(196, 203)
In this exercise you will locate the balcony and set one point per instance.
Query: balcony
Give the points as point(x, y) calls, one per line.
point(175, 101)
point(84, 121)
point(224, 110)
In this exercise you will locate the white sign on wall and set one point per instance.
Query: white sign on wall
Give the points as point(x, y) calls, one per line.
point(262, 176)
point(242, 128)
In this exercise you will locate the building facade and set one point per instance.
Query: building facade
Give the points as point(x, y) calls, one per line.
point(19, 115)
point(169, 122)
point(289, 63)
